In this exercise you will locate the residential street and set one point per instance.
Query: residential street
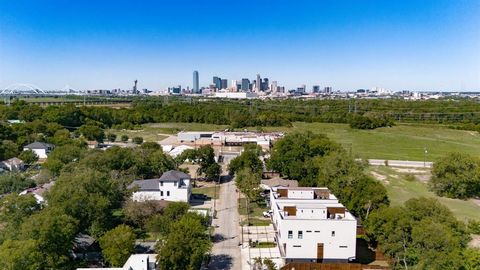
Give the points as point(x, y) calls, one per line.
point(226, 250)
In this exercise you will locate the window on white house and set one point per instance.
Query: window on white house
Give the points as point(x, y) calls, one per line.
point(297, 246)
point(309, 231)
point(168, 193)
point(161, 193)
point(333, 233)
point(300, 234)
point(343, 246)
point(290, 234)
point(161, 183)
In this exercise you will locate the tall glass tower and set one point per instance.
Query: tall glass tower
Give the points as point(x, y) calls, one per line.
point(196, 89)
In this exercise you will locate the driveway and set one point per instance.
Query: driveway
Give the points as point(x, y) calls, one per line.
point(226, 250)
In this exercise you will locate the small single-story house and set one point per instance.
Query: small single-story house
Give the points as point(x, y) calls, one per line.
point(278, 182)
point(41, 149)
point(13, 164)
point(171, 186)
point(38, 191)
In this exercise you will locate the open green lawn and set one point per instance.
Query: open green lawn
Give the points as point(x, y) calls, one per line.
point(256, 208)
point(148, 135)
point(174, 128)
point(402, 142)
point(400, 190)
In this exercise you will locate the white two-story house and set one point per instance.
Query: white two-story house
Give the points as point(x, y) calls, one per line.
point(312, 226)
point(171, 186)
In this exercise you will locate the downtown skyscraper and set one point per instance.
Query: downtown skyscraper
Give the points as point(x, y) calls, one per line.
point(196, 88)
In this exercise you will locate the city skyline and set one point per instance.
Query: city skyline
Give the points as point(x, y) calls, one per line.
point(415, 45)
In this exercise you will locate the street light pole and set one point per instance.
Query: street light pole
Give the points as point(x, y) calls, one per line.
point(425, 156)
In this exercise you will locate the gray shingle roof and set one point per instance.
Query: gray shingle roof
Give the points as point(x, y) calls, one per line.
point(174, 176)
point(39, 145)
point(145, 184)
point(153, 184)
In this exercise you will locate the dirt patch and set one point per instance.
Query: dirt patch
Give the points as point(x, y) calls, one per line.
point(410, 170)
point(476, 201)
point(380, 177)
point(475, 242)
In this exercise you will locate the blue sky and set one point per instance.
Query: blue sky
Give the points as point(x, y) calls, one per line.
point(347, 44)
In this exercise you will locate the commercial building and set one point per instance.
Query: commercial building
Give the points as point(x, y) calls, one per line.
point(258, 83)
point(312, 226)
point(171, 186)
point(224, 84)
point(245, 84)
point(235, 95)
point(217, 81)
point(196, 88)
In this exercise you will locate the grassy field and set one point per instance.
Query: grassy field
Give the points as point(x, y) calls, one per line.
point(400, 190)
point(403, 142)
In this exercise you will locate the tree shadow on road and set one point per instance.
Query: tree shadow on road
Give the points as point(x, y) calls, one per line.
point(220, 262)
point(218, 237)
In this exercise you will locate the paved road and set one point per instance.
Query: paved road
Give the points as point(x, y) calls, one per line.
point(226, 250)
point(401, 163)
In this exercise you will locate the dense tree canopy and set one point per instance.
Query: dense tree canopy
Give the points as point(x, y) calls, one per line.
point(423, 233)
point(456, 175)
point(185, 246)
point(117, 245)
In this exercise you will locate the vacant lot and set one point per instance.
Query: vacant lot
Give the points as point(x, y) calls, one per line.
point(403, 142)
point(403, 184)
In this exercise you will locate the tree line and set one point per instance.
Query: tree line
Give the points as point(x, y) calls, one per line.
point(362, 113)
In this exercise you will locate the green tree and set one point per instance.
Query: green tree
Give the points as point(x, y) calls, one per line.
point(92, 132)
point(118, 244)
point(54, 232)
point(89, 196)
point(61, 156)
point(137, 140)
point(248, 183)
point(139, 212)
point(248, 159)
point(472, 259)
point(20, 254)
point(124, 138)
point(292, 154)
point(456, 175)
point(28, 156)
point(14, 209)
point(14, 182)
point(111, 137)
point(185, 247)
point(8, 149)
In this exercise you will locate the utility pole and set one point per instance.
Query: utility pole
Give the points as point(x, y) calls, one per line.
point(425, 156)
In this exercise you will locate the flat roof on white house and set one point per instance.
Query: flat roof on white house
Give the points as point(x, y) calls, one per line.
point(308, 203)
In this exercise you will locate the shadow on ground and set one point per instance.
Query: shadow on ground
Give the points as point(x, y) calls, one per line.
point(220, 262)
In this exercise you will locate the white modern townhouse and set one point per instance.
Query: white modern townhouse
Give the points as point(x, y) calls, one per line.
point(312, 226)
point(171, 186)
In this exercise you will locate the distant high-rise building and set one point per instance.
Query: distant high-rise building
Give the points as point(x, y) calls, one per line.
point(316, 89)
point(273, 87)
point(327, 90)
point(218, 82)
point(258, 83)
point(235, 85)
point(224, 84)
point(264, 85)
point(196, 88)
point(135, 87)
point(245, 84)
point(302, 88)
